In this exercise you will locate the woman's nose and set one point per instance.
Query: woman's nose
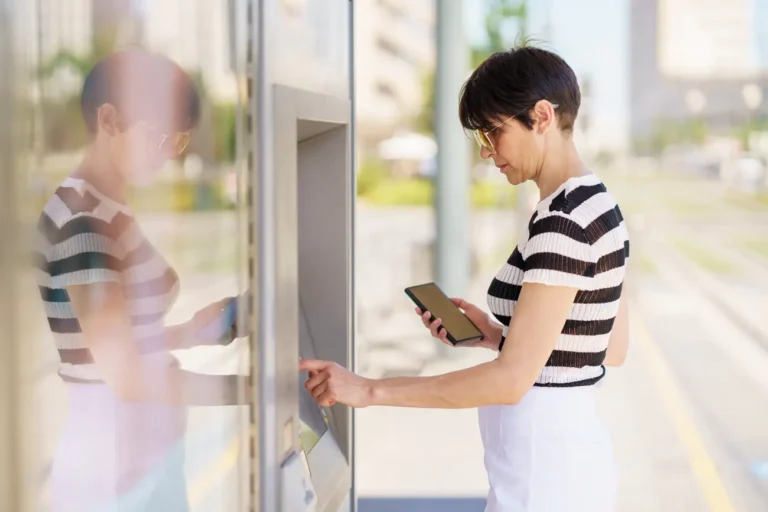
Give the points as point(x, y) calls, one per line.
point(485, 152)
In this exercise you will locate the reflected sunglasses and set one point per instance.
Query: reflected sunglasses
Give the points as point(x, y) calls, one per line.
point(484, 141)
point(176, 143)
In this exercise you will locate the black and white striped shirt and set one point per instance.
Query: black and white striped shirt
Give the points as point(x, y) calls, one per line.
point(576, 237)
point(85, 238)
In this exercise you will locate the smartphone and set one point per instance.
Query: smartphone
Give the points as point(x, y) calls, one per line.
point(429, 297)
point(226, 321)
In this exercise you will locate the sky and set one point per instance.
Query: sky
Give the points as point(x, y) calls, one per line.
point(760, 19)
point(592, 36)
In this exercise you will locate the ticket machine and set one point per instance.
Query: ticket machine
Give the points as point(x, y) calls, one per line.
point(306, 300)
point(303, 199)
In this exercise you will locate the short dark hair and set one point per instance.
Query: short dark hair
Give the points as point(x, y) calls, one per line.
point(142, 86)
point(510, 83)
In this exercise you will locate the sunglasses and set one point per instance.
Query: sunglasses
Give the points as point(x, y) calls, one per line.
point(174, 144)
point(484, 141)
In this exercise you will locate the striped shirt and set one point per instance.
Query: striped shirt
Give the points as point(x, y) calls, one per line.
point(84, 238)
point(576, 237)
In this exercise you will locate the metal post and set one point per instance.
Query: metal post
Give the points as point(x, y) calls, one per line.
point(353, 194)
point(453, 245)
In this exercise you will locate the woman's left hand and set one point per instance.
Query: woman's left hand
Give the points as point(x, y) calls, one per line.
point(208, 324)
point(330, 382)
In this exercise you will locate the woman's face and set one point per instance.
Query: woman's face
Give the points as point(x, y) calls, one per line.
point(519, 152)
point(138, 150)
point(142, 150)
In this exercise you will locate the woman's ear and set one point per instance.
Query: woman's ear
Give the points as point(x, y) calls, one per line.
point(544, 116)
point(107, 119)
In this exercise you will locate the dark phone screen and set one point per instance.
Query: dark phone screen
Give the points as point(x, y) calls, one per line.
point(435, 301)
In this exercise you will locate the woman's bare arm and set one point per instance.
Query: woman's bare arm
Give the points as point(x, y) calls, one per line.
point(618, 343)
point(533, 332)
point(189, 333)
point(102, 312)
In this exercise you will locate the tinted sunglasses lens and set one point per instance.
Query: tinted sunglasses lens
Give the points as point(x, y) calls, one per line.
point(175, 145)
point(181, 142)
point(482, 140)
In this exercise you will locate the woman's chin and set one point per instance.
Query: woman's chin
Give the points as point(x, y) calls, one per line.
point(513, 179)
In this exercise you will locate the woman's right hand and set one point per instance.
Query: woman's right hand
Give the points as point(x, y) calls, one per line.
point(491, 330)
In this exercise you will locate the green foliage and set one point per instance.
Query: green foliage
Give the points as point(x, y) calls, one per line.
point(372, 173)
point(491, 195)
point(424, 122)
point(407, 192)
point(224, 135)
point(179, 196)
point(64, 128)
point(80, 65)
point(420, 192)
point(500, 13)
point(668, 132)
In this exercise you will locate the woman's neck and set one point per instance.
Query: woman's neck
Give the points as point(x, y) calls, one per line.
point(560, 165)
point(99, 170)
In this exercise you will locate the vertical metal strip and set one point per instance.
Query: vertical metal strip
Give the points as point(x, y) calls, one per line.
point(266, 236)
point(250, 182)
point(352, 227)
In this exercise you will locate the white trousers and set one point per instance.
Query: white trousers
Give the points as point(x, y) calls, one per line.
point(114, 456)
point(549, 453)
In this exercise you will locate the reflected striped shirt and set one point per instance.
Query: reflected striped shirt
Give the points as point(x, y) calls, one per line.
point(576, 237)
point(85, 238)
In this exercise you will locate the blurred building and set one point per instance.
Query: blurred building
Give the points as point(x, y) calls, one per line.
point(395, 53)
point(696, 59)
point(195, 33)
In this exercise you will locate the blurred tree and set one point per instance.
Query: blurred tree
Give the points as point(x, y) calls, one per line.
point(672, 132)
point(372, 173)
point(743, 132)
point(498, 16)
point(424, 122)
point(63, 127)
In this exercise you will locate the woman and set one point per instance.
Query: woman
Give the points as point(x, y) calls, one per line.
point(106, 292)
point(561, 316)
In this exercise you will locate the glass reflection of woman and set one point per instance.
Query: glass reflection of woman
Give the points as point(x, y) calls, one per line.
point(560, 315)
point(106, 292)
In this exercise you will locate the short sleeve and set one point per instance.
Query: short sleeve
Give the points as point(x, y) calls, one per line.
point(85, 250)
point(558, 253)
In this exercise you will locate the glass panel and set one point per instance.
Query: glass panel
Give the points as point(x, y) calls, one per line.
point(309, 50)
point(132, 178)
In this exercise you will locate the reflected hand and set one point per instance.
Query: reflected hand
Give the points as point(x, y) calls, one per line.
point(491, 331)
point(204, 321)
point(330, 382)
